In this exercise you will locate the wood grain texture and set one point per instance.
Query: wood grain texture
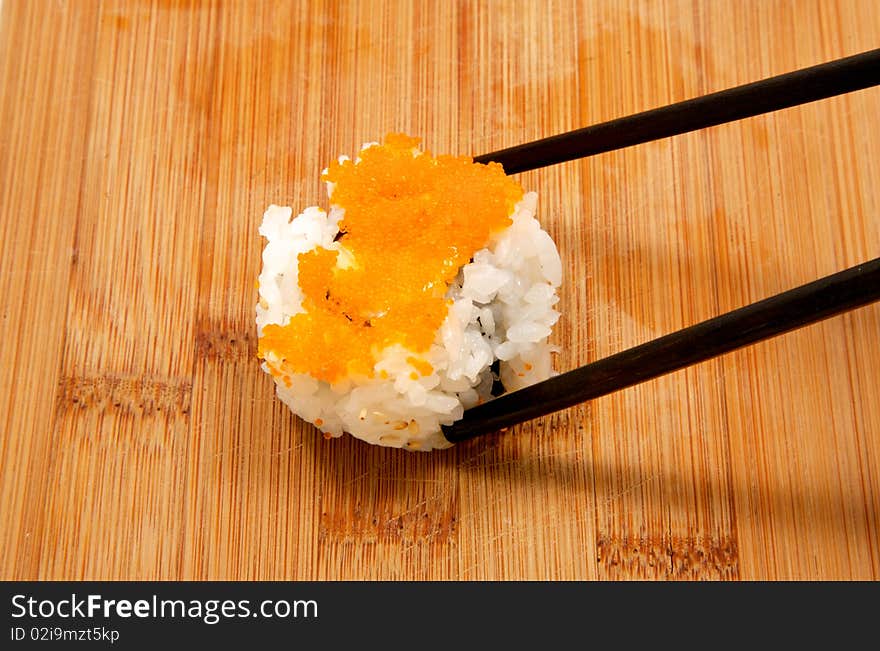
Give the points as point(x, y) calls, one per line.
point(142, 142)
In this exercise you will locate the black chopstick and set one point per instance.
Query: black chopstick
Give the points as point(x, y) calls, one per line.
point(783, 91)
point(821, 299)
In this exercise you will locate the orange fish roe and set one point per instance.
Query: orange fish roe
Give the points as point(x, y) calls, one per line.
point(410, 223)
point(420, 365)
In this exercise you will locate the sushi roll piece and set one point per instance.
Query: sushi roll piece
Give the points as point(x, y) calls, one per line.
point(428, 287)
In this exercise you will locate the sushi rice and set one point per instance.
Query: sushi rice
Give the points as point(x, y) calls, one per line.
point(501, 308)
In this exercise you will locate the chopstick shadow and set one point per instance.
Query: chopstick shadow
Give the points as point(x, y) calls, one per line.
point(383, 485)
point(649, 290)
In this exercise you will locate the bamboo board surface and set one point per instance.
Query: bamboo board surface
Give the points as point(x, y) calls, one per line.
point(141, 143)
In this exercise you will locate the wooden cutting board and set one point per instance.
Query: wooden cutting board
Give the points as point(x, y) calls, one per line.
point(141, 143)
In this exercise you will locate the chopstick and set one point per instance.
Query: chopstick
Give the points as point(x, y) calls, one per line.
point(815, 301)
point(783, 91)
